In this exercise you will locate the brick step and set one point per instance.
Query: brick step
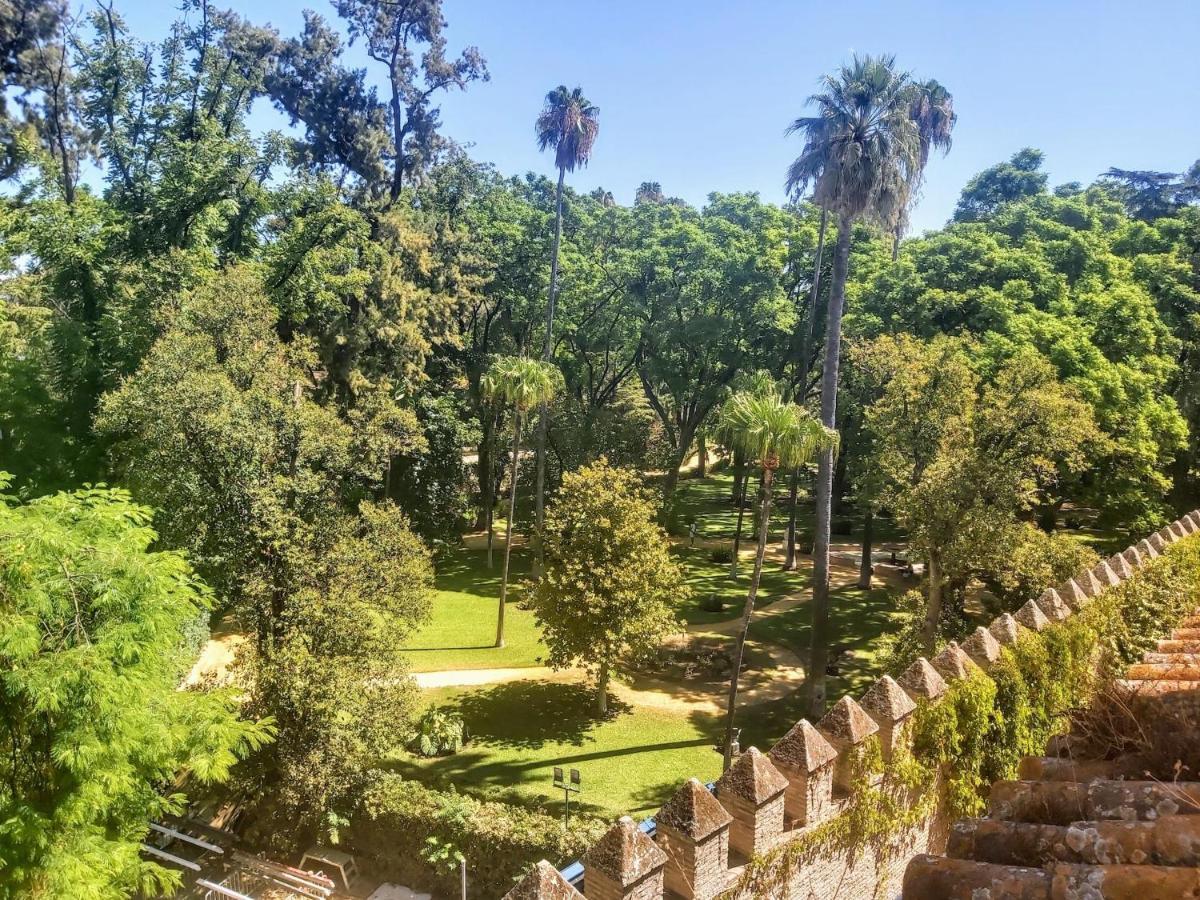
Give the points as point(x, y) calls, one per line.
point(1060, 768)
point(1166, 841)
point(939, 878)
point(1064, 802)
point(1170, 646)
point(1185, 634)
point(1180, 659)
point(1163, 672)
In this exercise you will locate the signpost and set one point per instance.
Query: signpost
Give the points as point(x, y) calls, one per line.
point(568, 788)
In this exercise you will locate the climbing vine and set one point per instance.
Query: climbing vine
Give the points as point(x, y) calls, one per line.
point(980, 729)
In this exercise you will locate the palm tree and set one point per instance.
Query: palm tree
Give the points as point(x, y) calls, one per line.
point(569, 123)
point(772, 433)
point(523, 384)
point(932, 110)
point(861, 155)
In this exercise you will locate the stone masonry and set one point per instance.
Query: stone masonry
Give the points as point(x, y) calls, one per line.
point(1066, 831)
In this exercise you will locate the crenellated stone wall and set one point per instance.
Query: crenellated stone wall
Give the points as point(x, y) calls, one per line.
point(703, 841)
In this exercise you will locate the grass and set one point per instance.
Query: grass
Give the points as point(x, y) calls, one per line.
point(630, 762)
point(461, 632)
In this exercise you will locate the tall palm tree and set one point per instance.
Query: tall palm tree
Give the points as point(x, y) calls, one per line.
point(522, 384)
point(772, 433)
point(569, 123)
point(861, 155)
point(932, 110)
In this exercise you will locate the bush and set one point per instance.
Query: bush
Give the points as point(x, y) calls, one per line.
point(439, 733)
point(712, 603)
point(721, 555)
point(395, 818)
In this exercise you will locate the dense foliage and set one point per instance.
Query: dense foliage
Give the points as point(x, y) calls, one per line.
point(282, 343)
point(92, 644)
point(610, 587)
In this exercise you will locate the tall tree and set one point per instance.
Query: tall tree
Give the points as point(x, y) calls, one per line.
point(862, 156)
point(1003, 183)
point(384, 142)
point(569, 123)
point(522, 384)
point(772, 433)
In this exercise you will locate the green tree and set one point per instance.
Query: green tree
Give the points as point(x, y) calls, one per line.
point(610, 587)
point(772, 433)
point(1003, 183)
point(963, 454)
point(862, 155)
point(570, 123)
point(93, 722)
point(522, 384)
point(386, 142)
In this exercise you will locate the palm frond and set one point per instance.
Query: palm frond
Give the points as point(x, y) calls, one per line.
point(570, 123)
point(772, 432)
point(521, 382)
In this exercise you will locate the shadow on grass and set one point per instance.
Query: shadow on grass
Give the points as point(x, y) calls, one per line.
point(528, 714)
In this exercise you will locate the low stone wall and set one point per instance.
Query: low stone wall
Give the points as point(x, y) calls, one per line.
point(769, 802)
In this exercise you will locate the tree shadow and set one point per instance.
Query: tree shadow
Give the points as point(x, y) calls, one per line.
point(528, 714)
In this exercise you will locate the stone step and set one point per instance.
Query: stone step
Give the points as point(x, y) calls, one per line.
point(1171, 646)
point(939, 878)
point(1185, 634)
point(1180, 659)
point(1165, 671)
point(1167, 841)
point(1060, 768)
point(1064, 802)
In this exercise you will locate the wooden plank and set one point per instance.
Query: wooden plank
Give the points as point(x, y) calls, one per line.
point(186, 838)
point(170, 857)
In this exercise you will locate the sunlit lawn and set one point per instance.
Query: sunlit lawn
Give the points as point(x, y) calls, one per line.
point(461, 632)
point(630, 762)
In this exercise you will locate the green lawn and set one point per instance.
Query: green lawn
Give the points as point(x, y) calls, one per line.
point(462, 629)
point(630, 762)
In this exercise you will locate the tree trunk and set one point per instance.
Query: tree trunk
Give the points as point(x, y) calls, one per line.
point(789, 562)
point(672, 475)
point(739, 476)
point(811, 318)
point(484, 468)
point(933, 610)
point(747, 613)
point(701, 456)
point(508, 531)
point(819, 651)
point(864, 568)
point(547, 349)
point(737, 538)
point(602, 690)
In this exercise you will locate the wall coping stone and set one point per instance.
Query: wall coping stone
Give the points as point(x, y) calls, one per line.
point(922, 680)
point(803, 748)
point(752, 777)
point(694, 812)
point(624, 853)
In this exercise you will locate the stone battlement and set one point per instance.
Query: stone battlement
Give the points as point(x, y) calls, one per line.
point(703, 840)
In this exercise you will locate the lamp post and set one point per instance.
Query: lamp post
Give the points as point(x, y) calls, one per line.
point(568, 787)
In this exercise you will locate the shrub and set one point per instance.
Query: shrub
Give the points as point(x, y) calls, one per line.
point(721, 555)
point(439, 733)
point(712, 603)
point(396, 818)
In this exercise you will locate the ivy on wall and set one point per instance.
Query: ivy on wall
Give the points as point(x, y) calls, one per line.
point(980, 729)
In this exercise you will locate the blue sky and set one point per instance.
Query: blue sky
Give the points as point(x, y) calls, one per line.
point(696, 95)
